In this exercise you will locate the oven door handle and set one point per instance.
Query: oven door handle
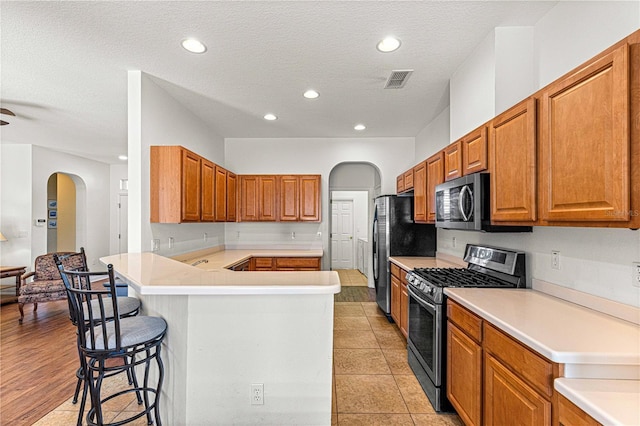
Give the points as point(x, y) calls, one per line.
point(420, 299)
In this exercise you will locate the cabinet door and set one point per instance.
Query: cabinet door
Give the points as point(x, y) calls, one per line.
point(232, 200)
point(585, 143)
point(464, 375)
point(248, 198)
point(506, 398)
point(435, 176)
point(395, 299)
point(474, 151)
point(289, 198)
point(400, 184)
point(453, 161)
point(165, 186)
point(404, 305)
point(190, 187)
point(221, 194)
point(420, 193)
point(208, 170)
point(512, 143)
point(408, 180)
point(310, 198)
point(267, 196)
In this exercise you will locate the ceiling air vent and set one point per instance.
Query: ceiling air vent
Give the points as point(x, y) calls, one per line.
point(398, 79)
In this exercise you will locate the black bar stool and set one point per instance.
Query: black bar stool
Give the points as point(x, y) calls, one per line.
point(127, 306)
point(103, 335)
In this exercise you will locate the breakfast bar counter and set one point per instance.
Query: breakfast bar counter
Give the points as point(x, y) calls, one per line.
point(230, 330)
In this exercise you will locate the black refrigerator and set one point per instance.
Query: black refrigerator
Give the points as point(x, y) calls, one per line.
point(396, 234)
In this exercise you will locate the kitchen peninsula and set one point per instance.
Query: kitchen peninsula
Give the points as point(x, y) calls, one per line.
point(229, 330)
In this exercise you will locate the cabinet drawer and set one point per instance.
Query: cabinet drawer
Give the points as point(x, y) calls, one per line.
point(395, 271)
point(537, 371)
point(297, 262)
point(263, 262)
point(568, 413)
point(465, 320)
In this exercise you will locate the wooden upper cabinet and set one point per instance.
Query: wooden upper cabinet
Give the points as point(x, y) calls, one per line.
point(512, 146)
point(435, 176)
point(190, 187)
point(174, 185)
point(408, 180)
point(310, 198)
point(267, 198)
point(289, 198)
point(248, 198)
point(453, 160)
point(232, 197)
point(474, 151)
point(400, 184)
point(221, 194)
point(585, 143)
point(208, 190)
point(420, 193)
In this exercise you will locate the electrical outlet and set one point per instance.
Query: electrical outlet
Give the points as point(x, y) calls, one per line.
point(155, 244)
point(453, 242)
point(171, 242)
point(204, 237)
point(257, 394)
point(635, 274)
point(293, 235)
point(555, 259)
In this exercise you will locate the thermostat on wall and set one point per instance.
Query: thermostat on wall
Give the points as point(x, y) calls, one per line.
point(41, 222)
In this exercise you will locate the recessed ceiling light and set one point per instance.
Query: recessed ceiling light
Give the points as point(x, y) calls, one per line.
point(311, 94)
point(270, 117)
point(193, 45)
point(359, 127)
point(389, 44)
point(122, 157)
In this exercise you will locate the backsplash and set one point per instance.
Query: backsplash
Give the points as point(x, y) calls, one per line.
point(592, 260)
point(274, 235)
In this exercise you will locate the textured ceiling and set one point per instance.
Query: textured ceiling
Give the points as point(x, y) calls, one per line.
point(64, 65)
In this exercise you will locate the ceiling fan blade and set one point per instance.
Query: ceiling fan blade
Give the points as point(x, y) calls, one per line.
point(2, 122)
point(6, 111)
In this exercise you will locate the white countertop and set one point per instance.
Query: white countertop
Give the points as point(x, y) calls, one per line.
point(610, 402)
point(561, 331)
point(410, 262)
point(149, 273)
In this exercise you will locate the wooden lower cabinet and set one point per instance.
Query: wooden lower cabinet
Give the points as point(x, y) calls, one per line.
point(464, 375)
point(509, 400)
point(399, 297)
point(566, 413)
point(492, 379)
point(299, 264)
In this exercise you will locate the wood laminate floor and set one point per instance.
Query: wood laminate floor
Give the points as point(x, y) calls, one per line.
point(38, 360)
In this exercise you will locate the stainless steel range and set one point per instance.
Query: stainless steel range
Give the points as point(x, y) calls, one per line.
point(488, 267)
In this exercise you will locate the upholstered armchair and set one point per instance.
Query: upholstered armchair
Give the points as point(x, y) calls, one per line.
point(44, 283)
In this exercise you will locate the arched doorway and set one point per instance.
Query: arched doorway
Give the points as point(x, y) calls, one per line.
point(66, 212)
point(352, 188)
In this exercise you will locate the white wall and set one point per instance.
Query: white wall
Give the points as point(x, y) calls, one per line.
point(15, 205)
point(472, 94)
point(391, 156)
point(593, 260)
point(433, 137)
point(514, 67)
point(156, 118)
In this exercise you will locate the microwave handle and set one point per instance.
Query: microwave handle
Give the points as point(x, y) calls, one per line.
point(465, 189)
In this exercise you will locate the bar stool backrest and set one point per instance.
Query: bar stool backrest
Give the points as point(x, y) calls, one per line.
point(72, 262)
point(95, 309)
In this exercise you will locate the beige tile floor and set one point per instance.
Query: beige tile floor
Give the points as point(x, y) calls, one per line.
point(351, 277)
point(372, 382)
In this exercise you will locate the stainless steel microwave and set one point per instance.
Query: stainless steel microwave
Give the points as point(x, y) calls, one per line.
point(465, 203)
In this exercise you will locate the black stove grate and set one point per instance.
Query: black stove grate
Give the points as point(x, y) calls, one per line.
point(459, 277)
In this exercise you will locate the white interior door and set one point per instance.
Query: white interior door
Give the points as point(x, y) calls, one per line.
point(342, 234)
point(123, 226)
